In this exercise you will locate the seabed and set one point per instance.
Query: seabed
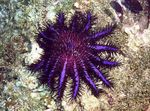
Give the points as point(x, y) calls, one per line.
point(20, 90)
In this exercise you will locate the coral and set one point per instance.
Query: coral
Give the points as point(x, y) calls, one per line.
point(72, 51)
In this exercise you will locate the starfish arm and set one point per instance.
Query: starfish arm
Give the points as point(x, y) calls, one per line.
point(100, 75)
point(61, 19)
point(73, 22)
point(47, 65)
point(78, 22)
point(109, 63)
point(103, 48)
point(51, 74)
point(88, 79)
point(104, 62)
point(42, 35)
point(77, 81)
point(52, 29)
point(94, 56)
point(100, 34)
point(37, 66)
point(88, 24)
point(62, 78)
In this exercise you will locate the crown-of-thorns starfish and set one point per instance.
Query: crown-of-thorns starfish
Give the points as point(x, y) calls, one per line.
point(71, 52)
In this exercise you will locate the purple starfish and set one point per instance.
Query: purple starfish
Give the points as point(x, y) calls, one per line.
point(71, 51)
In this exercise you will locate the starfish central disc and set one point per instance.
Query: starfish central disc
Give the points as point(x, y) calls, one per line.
point(70, 45)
